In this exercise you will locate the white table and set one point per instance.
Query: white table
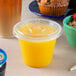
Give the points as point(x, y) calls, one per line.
point(64, 55)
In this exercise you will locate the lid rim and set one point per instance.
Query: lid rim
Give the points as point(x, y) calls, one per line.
point(18, 35)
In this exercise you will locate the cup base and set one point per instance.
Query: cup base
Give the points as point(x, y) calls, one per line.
point(37, 66)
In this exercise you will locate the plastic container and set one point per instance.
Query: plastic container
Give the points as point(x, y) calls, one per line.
point(37, 48)
point(70, 32)
point(3, 58)
point(10, 14)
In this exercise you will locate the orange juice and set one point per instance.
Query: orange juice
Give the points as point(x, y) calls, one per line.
point(37, 54)
point(38, 41)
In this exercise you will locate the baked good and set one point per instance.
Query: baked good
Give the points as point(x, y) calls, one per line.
point(53, 7)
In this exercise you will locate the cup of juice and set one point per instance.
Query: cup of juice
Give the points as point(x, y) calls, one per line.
point(37, 39)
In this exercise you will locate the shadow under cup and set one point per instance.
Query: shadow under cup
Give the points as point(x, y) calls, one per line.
point(70, 32)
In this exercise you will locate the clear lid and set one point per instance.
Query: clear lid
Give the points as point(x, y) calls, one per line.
point(37, 29)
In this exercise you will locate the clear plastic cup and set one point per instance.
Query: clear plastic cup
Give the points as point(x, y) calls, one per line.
point(38, 45)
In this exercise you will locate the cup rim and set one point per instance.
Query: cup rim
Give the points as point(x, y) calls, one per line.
point(17, 35)
point(65, 24)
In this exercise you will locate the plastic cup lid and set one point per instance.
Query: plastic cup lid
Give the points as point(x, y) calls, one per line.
point(3, 57)
point(52, 35)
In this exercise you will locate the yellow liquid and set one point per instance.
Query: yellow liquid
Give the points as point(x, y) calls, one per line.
point(37, 53)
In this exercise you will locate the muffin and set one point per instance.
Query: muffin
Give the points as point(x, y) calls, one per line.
point(72, 22)
point(53, 7)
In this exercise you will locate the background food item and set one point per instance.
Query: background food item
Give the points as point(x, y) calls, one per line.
point(72, 22)
point(74, 16)
point(43, 1)
point(10, 14)
point(53, 7)
point(70, 32)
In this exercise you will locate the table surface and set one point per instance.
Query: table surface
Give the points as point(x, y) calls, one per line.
point(64, 55)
